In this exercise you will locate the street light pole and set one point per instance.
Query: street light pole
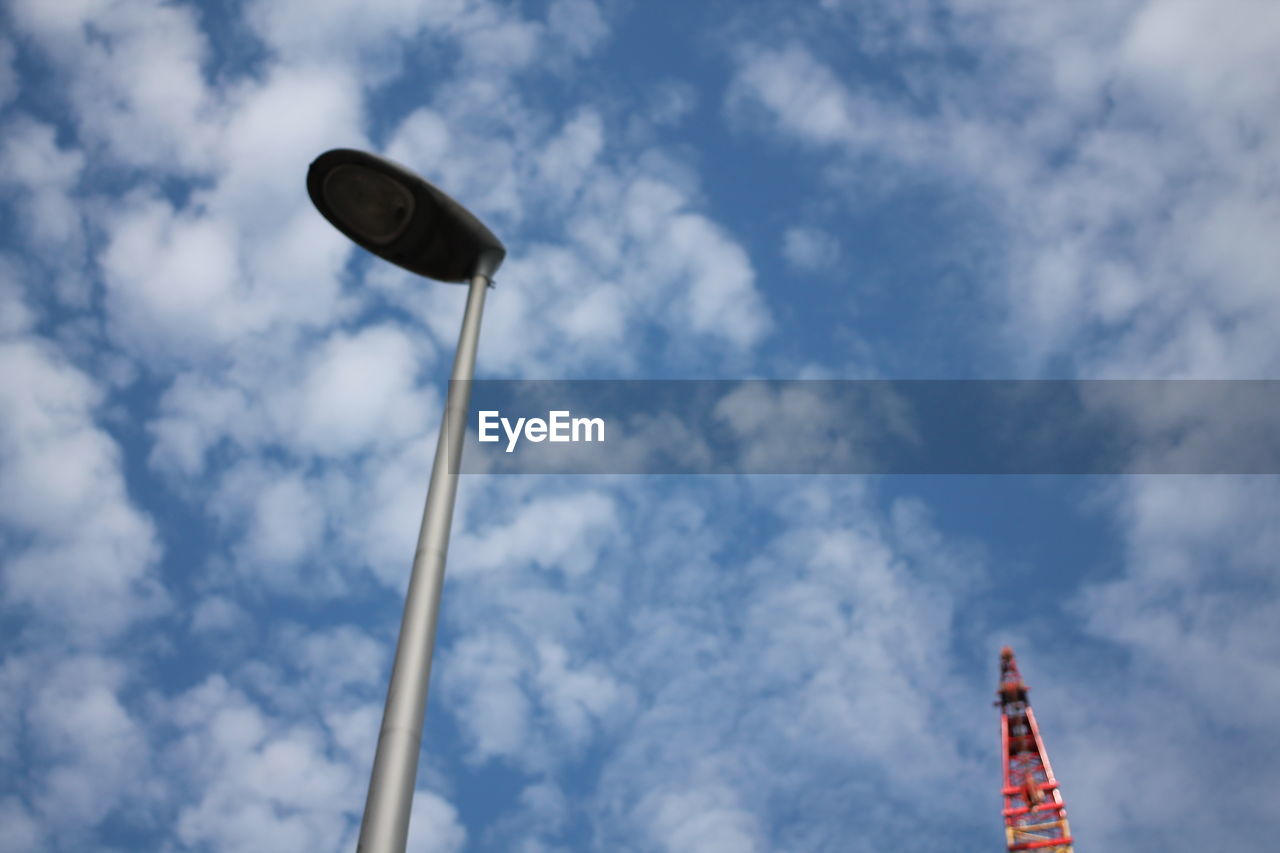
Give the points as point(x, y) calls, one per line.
point(385, 828)
point(401, 217)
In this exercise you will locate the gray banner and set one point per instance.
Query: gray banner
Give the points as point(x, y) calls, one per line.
point(874, 427)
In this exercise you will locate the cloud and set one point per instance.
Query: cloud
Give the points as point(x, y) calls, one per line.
point(702, 819)
point(576, 696)
point(74, 732)
point(345, 395)
point(32, 160)
point(88, 555)
point(360, 392)
point(1118, 153)
point(810, 249)
point(482, 678)
point(737, 691)
point(633, 251)
point(79, 722)
point(1113, 223)
point(1192, 611)
point(579, 22)
point(247, 256)
point(8, 75)
point(272, 126)
point(16, 316)
point(133, 78)
point(527, 689)
point(492, 39)
point(1207, 61)
point(217, 613)
point(254, 778)
point(285, 522)
point(23, 832)
point(434, 826)
point(43, 178)
point(690, 664)
point(561, 533)
point(175, 279)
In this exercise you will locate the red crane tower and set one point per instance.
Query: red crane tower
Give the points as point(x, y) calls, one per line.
point(1035, 817)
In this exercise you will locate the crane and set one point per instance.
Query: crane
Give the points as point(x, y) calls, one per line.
point(1035, 816)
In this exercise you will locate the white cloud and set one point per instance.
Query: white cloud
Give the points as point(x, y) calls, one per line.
point(1193, 610)
point(837, 661)
point(216, 614)
point(248, 255)
point(672, 101)
point(492, 38)
point(360, 391)
point(88, 554)
point(598, 621)
point(526, 690)
point(16, 316)
point(44, 178)
point(339, 395)
point(174, 281)
point(567, 160)
point(1113, 222)
point(633, 251)
point(340, 659)
point(270, 130)
point(195, 413)
point(134, 78)
point(1198, 598)
point(700, 684)
point(252, 776)
point(434, 826)
point(423, 138)
point(561, 533)
point(355, 731)
point(8, 74)
point(76, 733)
point(806, 98)
point(346, 29)
point(579, 23)
point(382, 519)
point(798, 427)
point(1120, 150)
point(22, 832)
point(353, 397)
point(1206, 59)
point(286, 522)
point(32, 159)
point(256, 780)
point(660, 264)
point(77, 719)
point(810, 249)
point(576, 696)
point(706, 820)
point(721, 299)
point(482, 679)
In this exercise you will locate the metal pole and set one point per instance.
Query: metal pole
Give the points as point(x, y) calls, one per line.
point(385, 828)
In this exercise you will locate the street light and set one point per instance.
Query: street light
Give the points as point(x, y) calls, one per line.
point(398, 216)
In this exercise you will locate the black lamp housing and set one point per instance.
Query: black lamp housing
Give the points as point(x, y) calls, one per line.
point(401, 217)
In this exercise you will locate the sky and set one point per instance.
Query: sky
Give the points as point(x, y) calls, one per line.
point(217, 418)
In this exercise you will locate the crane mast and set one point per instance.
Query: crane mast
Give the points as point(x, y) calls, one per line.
point(1035, 816)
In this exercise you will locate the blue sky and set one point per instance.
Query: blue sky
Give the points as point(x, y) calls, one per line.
point(217, 417)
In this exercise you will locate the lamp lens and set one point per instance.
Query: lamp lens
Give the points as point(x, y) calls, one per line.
point(377, 208)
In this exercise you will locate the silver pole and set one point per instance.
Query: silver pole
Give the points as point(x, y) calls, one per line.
point(385, 828)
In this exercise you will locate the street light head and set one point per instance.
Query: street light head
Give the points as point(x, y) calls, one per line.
point(369, 203)
point(401, 217)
